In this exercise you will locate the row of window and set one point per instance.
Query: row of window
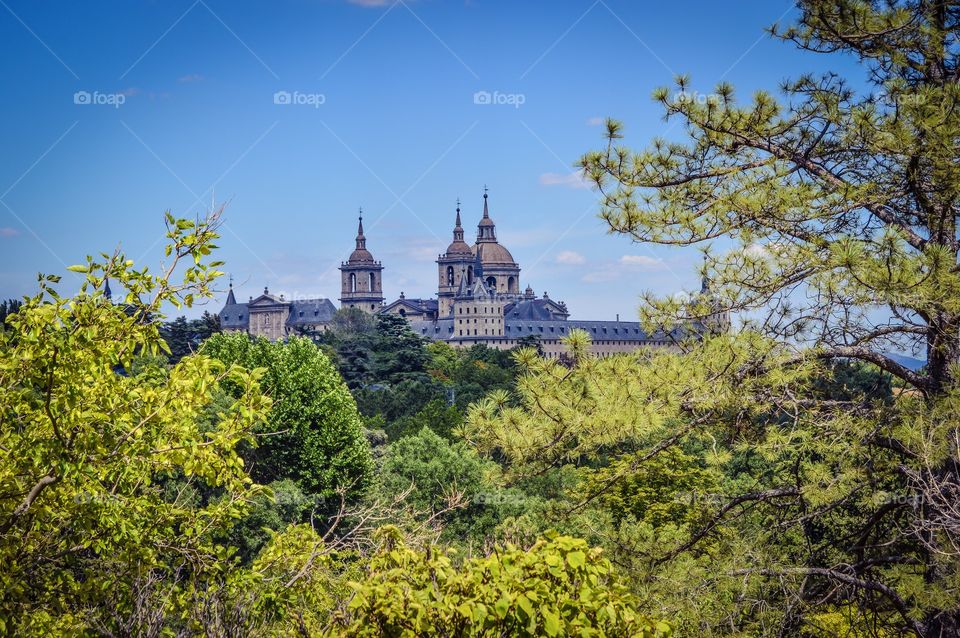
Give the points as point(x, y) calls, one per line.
point(316, 313)
point(485, 310)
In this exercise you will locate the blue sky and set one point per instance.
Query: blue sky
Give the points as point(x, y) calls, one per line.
point(386, 120)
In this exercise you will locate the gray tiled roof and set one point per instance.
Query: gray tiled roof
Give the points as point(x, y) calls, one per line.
point(442, 330)
point(302, 312)
point(234, 316)
point(534, 310)
point(308, 311)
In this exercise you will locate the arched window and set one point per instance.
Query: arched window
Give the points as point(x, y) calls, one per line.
point(469, 275)
point(403, 313)
point(449, 275)
point(491, 282)
point(353, 282)
point(373, 282)
point(511, 284)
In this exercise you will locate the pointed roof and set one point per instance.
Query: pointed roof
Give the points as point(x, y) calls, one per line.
point(458, 247)
point(463, 290)
point(360, 254)
point(106, 289)
point(231, 300)
point(486, 229)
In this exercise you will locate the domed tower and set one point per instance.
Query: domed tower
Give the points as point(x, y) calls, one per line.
point(452, 267)
point(500, 271)
point(361, 281)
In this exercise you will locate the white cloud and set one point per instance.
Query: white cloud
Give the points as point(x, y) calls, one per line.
point(190, 77)
point(595, 121)
point(571, 257)
point(625, 266)
point(600, 276)
point(6, 231)
point(642, 262)
point(573, 180)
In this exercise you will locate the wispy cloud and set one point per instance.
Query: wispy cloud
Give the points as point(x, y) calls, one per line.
point(372, 3)
point(595, 121)
point(623, 267)
point(575, 179)
point(642, 262)
point(571, 257)
point(130, 91)
point(190, 78)
point(6, 231)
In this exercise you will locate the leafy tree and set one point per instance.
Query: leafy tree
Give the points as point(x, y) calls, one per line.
point(314, 434)
point(853, 197)
point(86, 525)
point(8, 307)
point(842, 212)
point(441, 418)
point(282, 505)
point(184, 337)
point(435, 470)
point(558, 587)
point(726, 497)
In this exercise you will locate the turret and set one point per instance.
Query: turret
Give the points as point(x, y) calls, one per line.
point(361, 281)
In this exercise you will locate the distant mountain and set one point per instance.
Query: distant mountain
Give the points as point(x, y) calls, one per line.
point(908, 362)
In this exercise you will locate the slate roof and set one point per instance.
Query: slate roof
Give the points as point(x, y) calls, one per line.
point(234, 316)
point(442, 330)
point(310, 311)
point(535, 310)
point(302, 312)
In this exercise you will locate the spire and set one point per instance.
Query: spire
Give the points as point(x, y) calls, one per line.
point(106, 288)
point(477, 267)
point(361, 240)
point(458, 229)
point(705, 280)
point(463, 290)
point(486, 229)
point(231, 300)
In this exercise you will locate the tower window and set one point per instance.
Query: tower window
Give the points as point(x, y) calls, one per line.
point(449, 275)
point(353, 283)
point(373, 283)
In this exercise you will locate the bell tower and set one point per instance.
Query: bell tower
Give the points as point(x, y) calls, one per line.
point(361, 281)
point(451, 267)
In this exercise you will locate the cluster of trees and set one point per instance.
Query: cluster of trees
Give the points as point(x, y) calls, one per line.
point(789, 478)
point(401, 382)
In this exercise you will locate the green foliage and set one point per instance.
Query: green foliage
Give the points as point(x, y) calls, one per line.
point(184, 337)
point(849, 198)
point(314, 434)
point(281, 505)
point(8, 307)
point(85, 452)
point(558, 587)
point(437, 415)
point(439, 474)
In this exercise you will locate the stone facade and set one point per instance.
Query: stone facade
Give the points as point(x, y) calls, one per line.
point(275, 318)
